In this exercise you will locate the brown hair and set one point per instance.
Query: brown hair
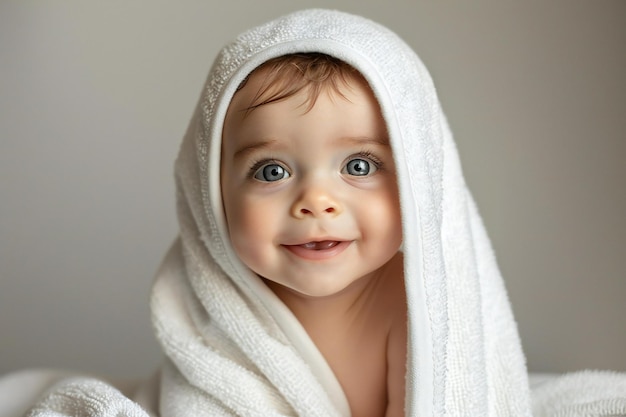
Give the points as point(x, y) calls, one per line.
point(287, 75)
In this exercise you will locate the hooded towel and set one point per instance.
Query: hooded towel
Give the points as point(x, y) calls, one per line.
point(233, 348)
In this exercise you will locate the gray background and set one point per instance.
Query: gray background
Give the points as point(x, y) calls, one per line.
point(95, 97)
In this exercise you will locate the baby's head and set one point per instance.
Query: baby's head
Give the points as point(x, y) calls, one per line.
point(308, 177)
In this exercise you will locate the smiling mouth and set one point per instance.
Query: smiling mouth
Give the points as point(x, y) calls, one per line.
point(318, 250)
point(323, 245)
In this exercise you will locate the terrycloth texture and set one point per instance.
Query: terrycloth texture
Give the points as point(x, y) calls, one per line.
point(85, 397)
point(234, 349)
point(581, 394)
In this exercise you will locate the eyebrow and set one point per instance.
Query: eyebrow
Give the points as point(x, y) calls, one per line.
point(360, 140)
point(269, 143)
point(247, 149)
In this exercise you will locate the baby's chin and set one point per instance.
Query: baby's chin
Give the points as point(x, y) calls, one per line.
point(325, 290)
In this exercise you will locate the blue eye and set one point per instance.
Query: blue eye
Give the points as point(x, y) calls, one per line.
point(360, 167)
point(271, 173)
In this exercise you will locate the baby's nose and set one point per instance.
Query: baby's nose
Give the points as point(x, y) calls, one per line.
point(316, 202)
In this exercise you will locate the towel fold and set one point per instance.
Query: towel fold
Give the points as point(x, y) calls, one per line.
point(85, 397)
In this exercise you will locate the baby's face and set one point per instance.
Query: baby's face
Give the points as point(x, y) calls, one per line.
point(310, 197)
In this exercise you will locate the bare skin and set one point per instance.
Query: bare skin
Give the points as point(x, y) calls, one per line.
point(362, 334)
point(311, 202)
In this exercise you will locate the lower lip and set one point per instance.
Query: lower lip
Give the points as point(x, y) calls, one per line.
point(317, 255)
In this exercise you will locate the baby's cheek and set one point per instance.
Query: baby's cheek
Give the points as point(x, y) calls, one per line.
point(254, 220)
point(388, 225)
point(248, 233)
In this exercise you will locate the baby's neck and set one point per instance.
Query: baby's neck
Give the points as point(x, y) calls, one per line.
point(341, 307)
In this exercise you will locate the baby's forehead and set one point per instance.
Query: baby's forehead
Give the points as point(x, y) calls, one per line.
point(345, 122)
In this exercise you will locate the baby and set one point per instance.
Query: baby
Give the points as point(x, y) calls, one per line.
point(310, 196)
point(317, 151)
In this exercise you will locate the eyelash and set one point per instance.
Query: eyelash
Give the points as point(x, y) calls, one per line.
point(367, 155)
point(258, 164)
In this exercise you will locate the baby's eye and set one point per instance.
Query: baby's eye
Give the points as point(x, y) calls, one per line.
point(271, 172)
point(360, 167)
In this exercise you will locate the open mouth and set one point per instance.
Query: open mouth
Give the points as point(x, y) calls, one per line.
point(323, 245)
point(318, 250)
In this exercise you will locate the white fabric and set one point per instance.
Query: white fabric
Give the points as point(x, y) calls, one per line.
point(585, 393)
point(20, 390)
point(234, 349)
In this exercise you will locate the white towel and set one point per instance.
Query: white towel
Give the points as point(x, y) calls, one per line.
point(581, 394)
point(85, 397)
point(234, 349)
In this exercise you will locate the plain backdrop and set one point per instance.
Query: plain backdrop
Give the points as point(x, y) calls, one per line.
point(95, 98)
